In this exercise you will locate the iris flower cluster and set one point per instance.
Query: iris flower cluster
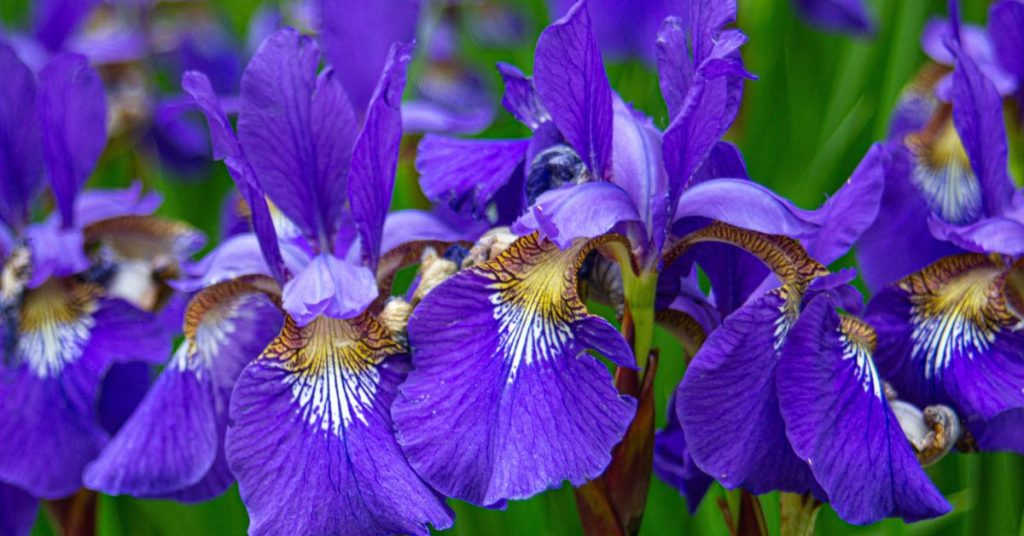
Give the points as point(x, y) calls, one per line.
point(342, 407)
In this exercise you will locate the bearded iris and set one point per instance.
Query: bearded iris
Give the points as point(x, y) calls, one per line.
point(74, 286)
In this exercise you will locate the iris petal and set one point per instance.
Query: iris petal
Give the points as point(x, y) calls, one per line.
point(311, 440)
point(502, 402)
point(172, 446)
point(839, 421)
point(946, 336)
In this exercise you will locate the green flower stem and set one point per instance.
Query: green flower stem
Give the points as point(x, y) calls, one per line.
point(798, 514)
point(640, 290)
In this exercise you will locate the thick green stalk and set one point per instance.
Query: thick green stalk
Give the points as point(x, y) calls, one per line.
point(639, 290)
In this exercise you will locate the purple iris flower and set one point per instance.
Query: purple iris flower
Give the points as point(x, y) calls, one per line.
point(65, 320)
point(948, 187)
point(949, 333)
point(296, 408)
point(783, 395)
point(592, 167)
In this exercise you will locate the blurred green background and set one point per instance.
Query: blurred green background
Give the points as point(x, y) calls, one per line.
point(820, 101)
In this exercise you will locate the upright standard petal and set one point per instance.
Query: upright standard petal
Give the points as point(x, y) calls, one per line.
point(226, 147)
point(173, 445)
point(73, 117)
point(839, 421)
point(947, 336)
point(298, 131)
point(311, 438)
point(639, 170)
point(503, 401)
point(376, 154)
point(21, 160)
point(573, 86)
point(466, 174)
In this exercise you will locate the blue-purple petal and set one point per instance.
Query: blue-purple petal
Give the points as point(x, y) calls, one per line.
point(466, 173)
point(577, 211)
point(330, 287)
point(21, 157)
point(512, 381)
point(73, 119)
point(572, 85)
point(838, 420)
point(728, 406)
point(978, 116)
point(375, 157)
point(520, 98)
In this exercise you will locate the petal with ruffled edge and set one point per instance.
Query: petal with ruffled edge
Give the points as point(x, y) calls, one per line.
point(376, 154)
point(21, 161)
point(311, 437)
point(673, 463)
point(573, 86)
point(838, 420)
point(946, 336)
point(67, 338)
point(503, 402)
point(703, 92)
point(520, 98)
point(331, 287)
point(727, 402)
point(17, 511)
point(848, 16)
point(577, 211)
point(466, 173)
point(172, 446)
point(73, 119)
point(298, 131)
